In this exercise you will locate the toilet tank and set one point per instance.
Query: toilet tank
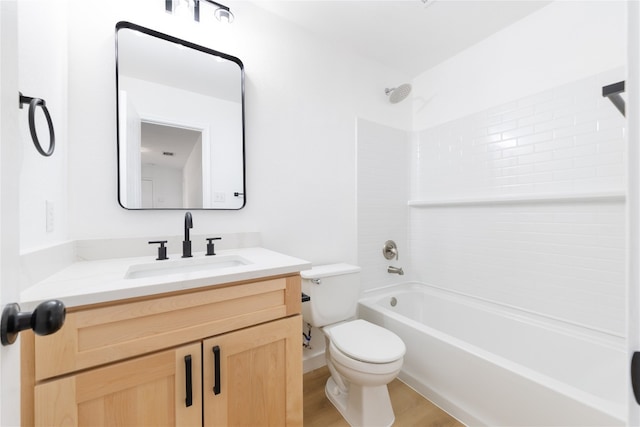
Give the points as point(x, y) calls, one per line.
point(334, 290)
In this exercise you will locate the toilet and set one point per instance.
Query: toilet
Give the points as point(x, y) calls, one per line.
point(362, 357)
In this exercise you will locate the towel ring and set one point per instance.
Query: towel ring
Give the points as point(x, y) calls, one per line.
point(33, 104)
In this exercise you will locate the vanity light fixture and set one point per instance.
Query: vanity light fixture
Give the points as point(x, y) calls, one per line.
point(222, 12)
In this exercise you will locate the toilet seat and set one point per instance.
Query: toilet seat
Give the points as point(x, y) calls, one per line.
point(367, 342)
point(369, 369)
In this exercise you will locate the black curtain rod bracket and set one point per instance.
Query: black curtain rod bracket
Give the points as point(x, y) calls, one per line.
point(613, 92)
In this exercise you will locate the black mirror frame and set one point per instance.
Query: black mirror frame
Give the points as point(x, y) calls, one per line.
point(128, 25)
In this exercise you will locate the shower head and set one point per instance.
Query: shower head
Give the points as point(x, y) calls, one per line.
point(399, 93)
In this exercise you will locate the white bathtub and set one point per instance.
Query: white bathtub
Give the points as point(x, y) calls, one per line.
point(488, 364)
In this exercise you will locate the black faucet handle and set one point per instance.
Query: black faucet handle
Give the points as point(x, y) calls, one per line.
point(162, 250)
point(210, 247)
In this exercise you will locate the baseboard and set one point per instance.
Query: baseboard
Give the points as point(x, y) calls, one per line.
point(312, 362)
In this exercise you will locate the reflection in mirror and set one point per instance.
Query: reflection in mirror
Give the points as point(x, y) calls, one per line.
point(180, 123)
point(170, 156)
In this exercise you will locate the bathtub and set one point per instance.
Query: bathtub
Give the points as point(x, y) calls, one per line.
point(488, 364)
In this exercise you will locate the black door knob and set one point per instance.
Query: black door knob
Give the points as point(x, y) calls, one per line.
point(47, 318)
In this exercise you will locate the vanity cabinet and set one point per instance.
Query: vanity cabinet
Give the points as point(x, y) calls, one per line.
point(128, 362)
point(253, 388)
point(145, 391)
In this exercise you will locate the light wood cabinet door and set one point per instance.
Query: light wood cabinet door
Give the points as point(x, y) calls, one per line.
point(146, 391)
point(257, 376)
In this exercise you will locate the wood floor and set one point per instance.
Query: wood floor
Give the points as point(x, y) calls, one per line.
point(409, 407)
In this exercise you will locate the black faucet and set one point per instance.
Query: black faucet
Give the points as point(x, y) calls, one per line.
point(186, 244)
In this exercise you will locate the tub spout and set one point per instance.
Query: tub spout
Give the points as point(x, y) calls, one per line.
point(395, 270)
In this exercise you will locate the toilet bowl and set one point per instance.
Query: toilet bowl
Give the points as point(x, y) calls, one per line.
point(362, 357)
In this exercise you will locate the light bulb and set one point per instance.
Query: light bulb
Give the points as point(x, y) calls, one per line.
point(224, 15)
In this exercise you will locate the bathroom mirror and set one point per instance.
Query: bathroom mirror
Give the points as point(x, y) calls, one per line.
point(180, 123)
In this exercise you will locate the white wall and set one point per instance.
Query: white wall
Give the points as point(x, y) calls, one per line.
point(302, 99)
point(520, 116)
point(10, 150)
point(42, 63)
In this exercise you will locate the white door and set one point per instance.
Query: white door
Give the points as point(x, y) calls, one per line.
point(633, 203)
point(10, 146)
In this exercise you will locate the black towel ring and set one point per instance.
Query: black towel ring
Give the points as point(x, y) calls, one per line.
point(33, 104)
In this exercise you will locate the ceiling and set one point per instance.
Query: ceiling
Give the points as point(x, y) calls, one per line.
point(409, 35)
point(167, 146)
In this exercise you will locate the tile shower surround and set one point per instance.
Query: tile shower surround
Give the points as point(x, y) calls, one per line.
point(563, 140)
point(561, 259)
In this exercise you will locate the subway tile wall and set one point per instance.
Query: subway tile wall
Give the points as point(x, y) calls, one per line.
point(563, 259)
point(383, 191)
point(564, 140)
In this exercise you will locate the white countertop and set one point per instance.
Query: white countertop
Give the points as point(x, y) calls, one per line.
point(91, 282)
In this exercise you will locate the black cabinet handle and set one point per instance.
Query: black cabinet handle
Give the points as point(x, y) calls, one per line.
point(216, 369)
point(189, 386)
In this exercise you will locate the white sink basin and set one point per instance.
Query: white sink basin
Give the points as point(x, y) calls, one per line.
point(185, 265)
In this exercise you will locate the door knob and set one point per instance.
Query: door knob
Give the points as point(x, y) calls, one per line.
point(47, 318)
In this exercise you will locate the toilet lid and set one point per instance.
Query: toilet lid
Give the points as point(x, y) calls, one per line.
point(367, 342)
